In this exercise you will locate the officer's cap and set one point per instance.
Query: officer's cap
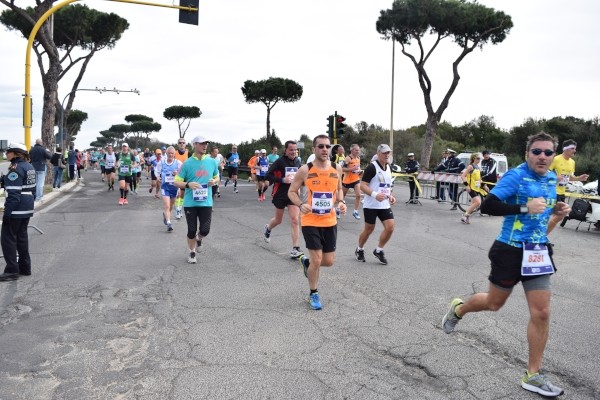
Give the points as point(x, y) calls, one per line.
point(17, 148)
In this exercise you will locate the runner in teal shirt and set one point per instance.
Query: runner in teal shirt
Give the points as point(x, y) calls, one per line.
point(197, 176)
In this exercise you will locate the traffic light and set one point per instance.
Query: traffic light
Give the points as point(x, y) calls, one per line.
point(340, 126)
point(330, 126)
point(187, 16)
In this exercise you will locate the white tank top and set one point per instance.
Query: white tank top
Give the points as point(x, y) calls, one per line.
point(382, 183)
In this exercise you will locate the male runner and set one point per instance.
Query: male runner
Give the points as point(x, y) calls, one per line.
point(526, 197)
point(196, 176)
point(323, 179)
point(281, 174)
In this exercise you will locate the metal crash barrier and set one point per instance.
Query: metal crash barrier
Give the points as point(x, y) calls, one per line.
point(437, 186)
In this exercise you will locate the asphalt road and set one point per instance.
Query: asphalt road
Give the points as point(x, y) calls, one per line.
point(113, 311)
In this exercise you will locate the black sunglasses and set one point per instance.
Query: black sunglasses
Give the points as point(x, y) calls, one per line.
point(546, 152)
point(181, 142)
point(323, 146)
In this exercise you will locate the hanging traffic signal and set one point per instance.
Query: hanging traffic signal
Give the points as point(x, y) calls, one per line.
point(340, 126)
point(330, 126)
point(190, 15)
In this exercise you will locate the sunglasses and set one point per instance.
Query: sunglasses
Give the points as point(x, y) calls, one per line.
point(180, 142)
point(323, 146)
point(546, 152)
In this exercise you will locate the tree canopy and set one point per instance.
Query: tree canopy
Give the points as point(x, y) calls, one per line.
point(470, 25)
point(78, 32)
point(182, 114)
point(270, 92)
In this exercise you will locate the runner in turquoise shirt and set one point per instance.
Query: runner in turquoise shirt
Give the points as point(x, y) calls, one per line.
point(197, 176)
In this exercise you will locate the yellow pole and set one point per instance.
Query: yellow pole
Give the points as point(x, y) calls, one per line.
point(27, 96)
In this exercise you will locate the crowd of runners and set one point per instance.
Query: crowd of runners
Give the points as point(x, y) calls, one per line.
point(313, 193)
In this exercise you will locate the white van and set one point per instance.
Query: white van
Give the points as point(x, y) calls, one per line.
point(501, 162)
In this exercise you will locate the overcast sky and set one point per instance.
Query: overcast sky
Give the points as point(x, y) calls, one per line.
point(548, 66)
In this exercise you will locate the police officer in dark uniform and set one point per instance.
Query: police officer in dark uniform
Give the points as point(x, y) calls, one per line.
point(19, 184)
point(412, 167)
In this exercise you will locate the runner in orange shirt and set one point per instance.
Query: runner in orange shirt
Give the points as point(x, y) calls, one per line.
point(352, 174)
point(322, 178)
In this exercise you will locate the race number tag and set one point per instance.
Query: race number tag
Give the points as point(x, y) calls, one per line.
point(264, 168)
point(563, 180)
point(291, 171)
point(110, 164)
point(385, 189)
point(124, 169)
point(477, 184)
point(536, 260)
point(169, 179)
point(322, 202)
point(200, 194)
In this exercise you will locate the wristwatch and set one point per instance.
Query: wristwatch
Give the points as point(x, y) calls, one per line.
point(523, 209)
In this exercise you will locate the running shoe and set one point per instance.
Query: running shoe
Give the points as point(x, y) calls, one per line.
point(267, 233)
point(178, 213)
point(355, 214)
point(360, 255)
point(465, 219)
point(125, 201)
point(305, 262)
point(218, 194)
point(235, 190)
point(380, 256)
point(314, 301)
point(538, 383)
point(150, 190)
point(192, 258)
point(198, 244)
point(450, 318)
point(164, 218)
point(295, 253)
point(121, 201)
point(169, 228)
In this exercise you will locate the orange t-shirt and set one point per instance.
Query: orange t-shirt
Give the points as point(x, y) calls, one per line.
point(322, 188)
point(252, 161)
point(351, 177)
point(182, 157)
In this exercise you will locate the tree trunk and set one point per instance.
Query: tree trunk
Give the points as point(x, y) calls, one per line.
point(433, 122)
point(268, 122)
point(50, 82)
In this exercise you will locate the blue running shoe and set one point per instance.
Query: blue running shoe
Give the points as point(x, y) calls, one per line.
point(170, 228)
point(314, 301)
point(305, 262)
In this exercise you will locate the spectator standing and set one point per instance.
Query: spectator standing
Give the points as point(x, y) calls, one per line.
point(19, 183)
point(454, 166)
point(489, 170)
point(58, 162)
point(442, 166)
point(39, 156)
point(412, 167)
